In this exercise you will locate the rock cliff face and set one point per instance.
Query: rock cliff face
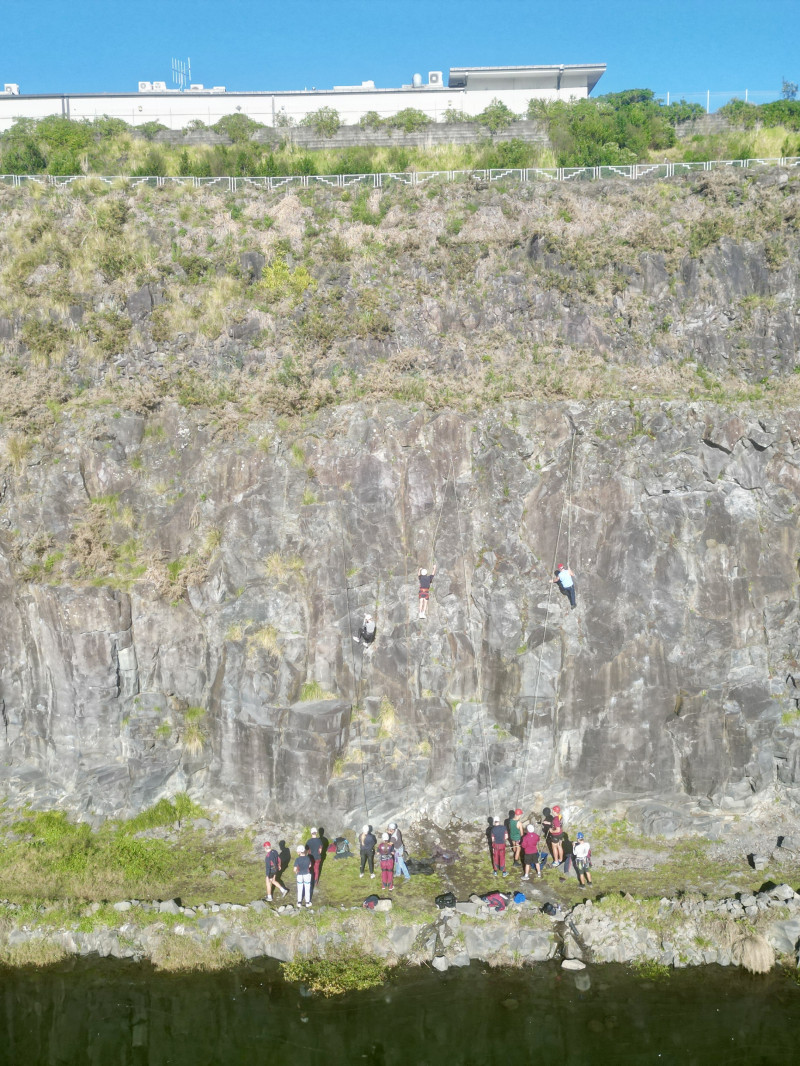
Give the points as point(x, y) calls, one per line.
point(177, 604)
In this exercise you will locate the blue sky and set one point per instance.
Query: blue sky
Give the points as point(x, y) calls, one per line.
point(675, 45)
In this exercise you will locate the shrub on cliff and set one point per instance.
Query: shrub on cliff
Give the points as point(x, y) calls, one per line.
point(331, 975)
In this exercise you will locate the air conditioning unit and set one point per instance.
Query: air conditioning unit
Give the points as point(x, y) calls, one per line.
point(218, 89)
point(159, 86)
point(435, 77)
point(145, 86)
point(196, 88)
point(11, 88)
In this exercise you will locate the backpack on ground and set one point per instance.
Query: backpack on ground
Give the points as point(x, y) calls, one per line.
point(342, 846)
point(447, 899)
point(370, 902)
point(496, 900)
point(550, 908)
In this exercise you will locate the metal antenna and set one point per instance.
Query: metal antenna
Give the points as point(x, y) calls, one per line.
point(181, 72)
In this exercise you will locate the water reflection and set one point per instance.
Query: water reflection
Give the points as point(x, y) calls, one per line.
point(104, 1012)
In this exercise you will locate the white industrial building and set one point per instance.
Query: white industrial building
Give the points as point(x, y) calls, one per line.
point(467, 89)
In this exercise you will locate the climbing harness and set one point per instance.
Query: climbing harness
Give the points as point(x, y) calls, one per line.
point(567, 505)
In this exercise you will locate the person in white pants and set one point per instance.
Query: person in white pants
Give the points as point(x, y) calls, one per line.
point(302, 871)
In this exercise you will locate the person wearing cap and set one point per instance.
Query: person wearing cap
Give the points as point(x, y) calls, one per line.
point(499, 837)
point(386, 859)
point(396, 838)
point(515, 833)
point(315, 847)
point(425, 581)
point(366, 842)
point(366, 635)
point(564, 580)
point(556, 835)
point(582, 857)
point(272, 866)
point(530, 852)
point(302, 871)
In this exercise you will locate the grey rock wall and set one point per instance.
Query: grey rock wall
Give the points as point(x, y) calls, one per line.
point(668, 682)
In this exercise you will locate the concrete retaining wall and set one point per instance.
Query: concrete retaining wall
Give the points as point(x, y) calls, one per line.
point(357, 137)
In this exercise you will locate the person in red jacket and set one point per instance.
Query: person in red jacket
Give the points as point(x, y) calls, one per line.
point(530, 853)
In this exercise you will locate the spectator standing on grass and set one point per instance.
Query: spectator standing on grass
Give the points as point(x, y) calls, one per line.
point(302, 872)
point(530, 853)
point(272, 866)
point(582, 857)
point(314, 848)
point(366, 843)
point(396, 838)
point(386, 857)
point(499, 837)
point(515, 833)
point(556, 836)
point(547, 825)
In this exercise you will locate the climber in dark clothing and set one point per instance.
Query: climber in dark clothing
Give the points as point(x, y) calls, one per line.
point(366, 635)
point(425, 581)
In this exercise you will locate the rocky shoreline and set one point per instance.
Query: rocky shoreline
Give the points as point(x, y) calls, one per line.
point(751, 930)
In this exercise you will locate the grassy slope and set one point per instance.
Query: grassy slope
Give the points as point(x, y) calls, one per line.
point(379, 295)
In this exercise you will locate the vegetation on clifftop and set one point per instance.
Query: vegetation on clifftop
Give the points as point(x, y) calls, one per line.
point(617, 128)
point(253, 303)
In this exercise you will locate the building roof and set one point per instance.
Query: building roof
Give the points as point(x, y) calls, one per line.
point(554, 76)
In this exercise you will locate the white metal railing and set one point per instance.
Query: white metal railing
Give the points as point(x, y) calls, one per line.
point(711, 100)
point(630, 172)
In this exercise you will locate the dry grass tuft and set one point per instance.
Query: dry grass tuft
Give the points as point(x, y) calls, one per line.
point(754, 953)
point(183, 954)
point(38, 952)
point(282, 567)
point(265, 638)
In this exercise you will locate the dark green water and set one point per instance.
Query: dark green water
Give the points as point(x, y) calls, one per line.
point(115, 1014)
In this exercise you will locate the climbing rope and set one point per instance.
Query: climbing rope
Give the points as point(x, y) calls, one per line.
point(569, 500)
point(356, 684)
point(475, 657)
point(441, 510)
point(565, 506)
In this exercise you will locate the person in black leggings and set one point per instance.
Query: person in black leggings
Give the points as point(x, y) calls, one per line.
point(367, 841)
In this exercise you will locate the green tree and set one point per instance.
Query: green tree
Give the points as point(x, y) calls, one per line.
point(371, 121)
point(237, 127)
point(409, 120)
point(497, 116)
point(324, 122)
